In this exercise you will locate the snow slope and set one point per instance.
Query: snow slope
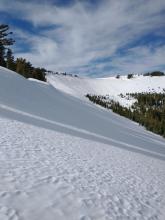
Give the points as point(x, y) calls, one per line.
point(79, 87)
point(64, 158)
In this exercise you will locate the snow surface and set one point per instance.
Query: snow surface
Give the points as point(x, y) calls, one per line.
point(111, 86)
point(65, 158)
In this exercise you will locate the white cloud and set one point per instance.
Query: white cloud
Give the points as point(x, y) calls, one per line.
point(81, 34)
point(140, 59)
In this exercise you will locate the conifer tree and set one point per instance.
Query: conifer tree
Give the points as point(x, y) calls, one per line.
point(20, 66)
point(10, 64)
point(2, 55)
point(4, 42)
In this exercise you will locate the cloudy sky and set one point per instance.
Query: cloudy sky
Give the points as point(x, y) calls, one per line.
point(88, 37)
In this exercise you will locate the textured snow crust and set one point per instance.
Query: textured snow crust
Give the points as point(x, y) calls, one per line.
point(64, 158)
point(49, 175)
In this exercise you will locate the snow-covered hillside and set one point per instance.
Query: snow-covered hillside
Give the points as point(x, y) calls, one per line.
point(64, 158)
point(111, 86)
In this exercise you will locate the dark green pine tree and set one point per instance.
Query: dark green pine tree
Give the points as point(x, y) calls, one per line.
point(10, 64)
point(4, 42)
point(21, 66)
point(2, 55)
point(39, 73)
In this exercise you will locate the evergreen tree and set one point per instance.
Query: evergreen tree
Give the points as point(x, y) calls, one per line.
point(10, 64)
point(20, 66)
point(26, 69)
point(2, 55)
point(4, 42)
point(148, 110)
point(130, 76)
point(39, 73)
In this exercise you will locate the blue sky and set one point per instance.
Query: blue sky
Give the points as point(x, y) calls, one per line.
point(88, 37)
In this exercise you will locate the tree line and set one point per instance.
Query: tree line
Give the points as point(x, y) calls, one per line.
point(19, 65)
point(61, 73)
point(148, 110)
point(154, 73)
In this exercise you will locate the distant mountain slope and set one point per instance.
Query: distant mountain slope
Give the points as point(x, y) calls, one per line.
point(112, 86)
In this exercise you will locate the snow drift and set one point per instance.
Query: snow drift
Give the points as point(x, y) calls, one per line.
point(43, 105)
point(62, 157)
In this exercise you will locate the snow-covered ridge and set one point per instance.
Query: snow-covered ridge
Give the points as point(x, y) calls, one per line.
point(111, 86)
point(64, 158)
point(41, 103)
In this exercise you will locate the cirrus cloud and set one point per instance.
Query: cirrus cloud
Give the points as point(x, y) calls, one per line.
point(114, 37)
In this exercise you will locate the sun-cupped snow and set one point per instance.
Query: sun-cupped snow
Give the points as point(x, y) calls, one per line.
point(110, 86)
point(64, 158)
